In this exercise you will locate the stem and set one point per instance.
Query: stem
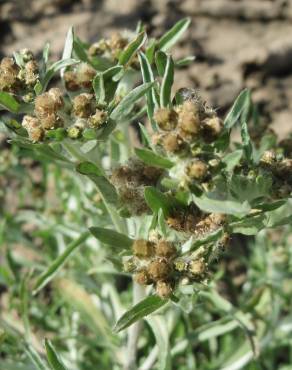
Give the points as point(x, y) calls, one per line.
point(134, 331)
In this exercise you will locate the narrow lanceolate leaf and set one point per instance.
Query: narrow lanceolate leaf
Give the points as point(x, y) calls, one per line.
point(157, 200)
point(99, 89)
point(46, 53)
point(55, 68)
point(53, 357)
point(132, 48)
point(239, 110)
point(68, 47)
point(167, 82)
point(159, 327)
point(185, 61)
point(153, 159)
point(9, 102)
point(58, 263)
point(160, 61)
point(111, 237)
point(174, 34)
point(140, 310)
point(107, 190)
point(82, 301)
point(229, 207)
point(147, 75)
point(246, 143)
point(35, 357)
point(127, 103)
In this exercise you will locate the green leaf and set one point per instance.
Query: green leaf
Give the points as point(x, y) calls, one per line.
point(160, 61)
point(174, 34)
point(59, 65)
point(58, 134)
point(232, 160)
point(230, 207)
point(46, 53)
point(249, 189)
point(214, 329)
point(104, 85)
point(153, 159)
point(158, 326)
point(157, 200)
point(146, 140)
point(34, 357)
point(239, 110)
point(248, 226)
point(99, 89)
point(68, 47)
point(58, 263)
point(147, 75)
point(80, 51)
point(107, 190)
point(246, 143)
point(132, 48)
point(53, 357)
point(140, 310)
point(111, 237)
point(150, 50)
point(210, 238)
point(185, 61)
point(127, 103)
point(167, 82)
point(9, 102)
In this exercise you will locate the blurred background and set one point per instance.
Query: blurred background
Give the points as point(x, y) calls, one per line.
point(237, 43)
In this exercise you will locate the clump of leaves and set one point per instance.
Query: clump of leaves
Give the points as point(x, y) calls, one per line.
point(163, 208)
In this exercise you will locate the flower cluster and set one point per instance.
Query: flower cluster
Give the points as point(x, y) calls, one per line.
point(80, 77)
point(130, 181)
point(185, 124)
point(158, 263)
point(15, 78)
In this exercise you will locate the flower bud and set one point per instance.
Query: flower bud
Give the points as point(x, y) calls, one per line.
point(166, 118)
point(189, 118)
point(130, 265)
point(165, 249)
point(70, 79)
point(33, 127)
point(31, 73)
point(29, 122)
point(57, 96)
point(51, 121)
point(142, 277)
point(268, 158)
point(143, 248)
point(197, 267)
point(74, 132)
point(180, 265)
point(116, 44)
point(197, 170)
point(27, 55)
point(172, 143)
point(98, 48)
point(83, 105)
point(159, 270)
point(44, 105)
point(163, 289)
point(97, 119)
point(9, 75)
point(85, 74)
point(211, 128)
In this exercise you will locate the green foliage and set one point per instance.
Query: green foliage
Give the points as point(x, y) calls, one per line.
point(90, 210)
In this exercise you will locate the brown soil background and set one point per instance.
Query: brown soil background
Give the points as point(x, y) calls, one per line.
point(237, 43)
